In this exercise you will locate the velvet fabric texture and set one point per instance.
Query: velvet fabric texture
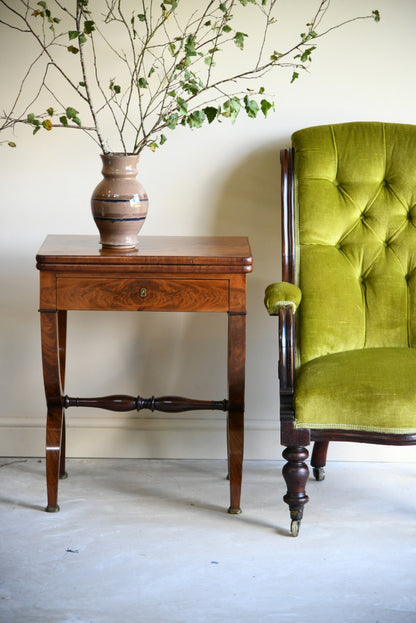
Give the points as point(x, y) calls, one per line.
point(281, 294)
point(371, 389)
point(355, 206)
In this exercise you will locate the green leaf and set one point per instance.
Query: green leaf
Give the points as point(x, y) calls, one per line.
point(47, 124)
point(50, 111)
point(226, 28)
point(163, 139)
point(307, 37)
point(306, 54)
point(376, 15)
point(191, 87)
point(182, 106)
point(114, 87)
point(73, 34)
point(266, 106)
point(231, 108)
point(64, 121)
point(11, 144)
point(89, 27)
point(239, 39)
point(36, 129)
point(172, 48)
point(31, 118)
point(223, 7)
point(82, 38)
point(251, 106)
point(42, 4)
point(153, 146)
point(172, 121)
point(73, 49)
point(196, 119)
point(295, 76)
point(171, 93)
point(210, 113)
point(77, 121)
point(71, 113)
point(190, 46)
point(143, 84)
point(82, 84)
point(245, 2)
point(142, 17)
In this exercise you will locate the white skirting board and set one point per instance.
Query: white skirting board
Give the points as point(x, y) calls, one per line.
point(121, 436)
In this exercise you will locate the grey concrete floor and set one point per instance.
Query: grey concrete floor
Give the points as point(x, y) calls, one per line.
point(149, 541)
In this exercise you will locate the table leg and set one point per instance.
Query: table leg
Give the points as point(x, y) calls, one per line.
point(235, 422)
point(53, 356)
point(62, 361)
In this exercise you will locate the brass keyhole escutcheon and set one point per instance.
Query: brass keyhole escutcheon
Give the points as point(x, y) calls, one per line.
point(143, 292)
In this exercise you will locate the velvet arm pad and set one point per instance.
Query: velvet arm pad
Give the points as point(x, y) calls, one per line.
point(282, 294)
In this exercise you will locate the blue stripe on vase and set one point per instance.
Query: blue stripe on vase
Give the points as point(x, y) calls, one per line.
point(117, 220)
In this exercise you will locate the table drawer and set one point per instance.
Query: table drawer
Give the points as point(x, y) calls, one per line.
point(208, 295)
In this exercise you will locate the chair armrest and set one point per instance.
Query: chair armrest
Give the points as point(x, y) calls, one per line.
point(282, 299)
point(282, 294)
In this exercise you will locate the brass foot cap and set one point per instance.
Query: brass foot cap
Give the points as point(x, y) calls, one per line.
point(52, 509)
point(63, 476)
point(234, 511)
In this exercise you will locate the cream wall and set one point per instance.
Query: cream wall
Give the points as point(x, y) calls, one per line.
point(222, 180)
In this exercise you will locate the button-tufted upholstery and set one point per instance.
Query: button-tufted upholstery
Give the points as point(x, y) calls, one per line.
point(356, 190)
point(356, 260)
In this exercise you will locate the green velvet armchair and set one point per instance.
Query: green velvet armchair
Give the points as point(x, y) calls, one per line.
point(347, 302)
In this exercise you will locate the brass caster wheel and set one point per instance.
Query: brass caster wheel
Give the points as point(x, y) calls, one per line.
point(294, 527)
point(319, 473)
point(52, 509)
point(63, 476)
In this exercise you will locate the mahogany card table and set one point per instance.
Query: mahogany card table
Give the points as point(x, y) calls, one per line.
point(165, 273)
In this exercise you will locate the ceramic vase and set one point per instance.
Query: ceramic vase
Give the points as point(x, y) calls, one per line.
point(119, 203)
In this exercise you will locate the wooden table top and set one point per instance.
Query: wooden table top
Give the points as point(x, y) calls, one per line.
point(152, 250)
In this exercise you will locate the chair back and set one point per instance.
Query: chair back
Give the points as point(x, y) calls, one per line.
point(355, 228)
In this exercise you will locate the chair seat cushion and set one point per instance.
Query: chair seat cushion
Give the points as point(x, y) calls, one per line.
point(371, 389)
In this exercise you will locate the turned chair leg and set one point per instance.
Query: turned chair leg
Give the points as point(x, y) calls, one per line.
point(295, 473)
point(318, 460)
